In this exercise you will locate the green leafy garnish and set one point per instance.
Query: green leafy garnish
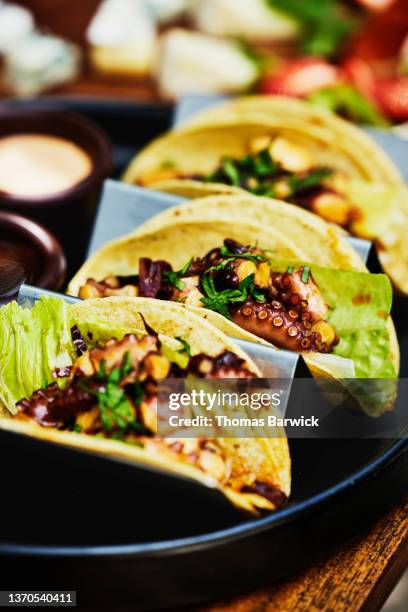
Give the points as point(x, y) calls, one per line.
point(258, 173)
point(100, 375)
point(305, 274)
point(290, 269)
point(231, 171)
point(219, 300)
point(312, 179)
point(185, 346)
point(138, 394)
point(174, 277)
point(254, 257)
point(117, 412)
point(262, 164)
point(126, 366)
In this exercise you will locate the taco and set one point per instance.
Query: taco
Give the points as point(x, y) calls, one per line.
point(257, 284)
point(87, 376)
point(287, 150)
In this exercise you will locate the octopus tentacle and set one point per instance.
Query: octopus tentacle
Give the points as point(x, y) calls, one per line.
point(289, 329)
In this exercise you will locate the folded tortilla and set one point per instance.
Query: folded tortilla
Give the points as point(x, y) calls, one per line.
point(33, 342)
point(368, 345)
point(375, 187)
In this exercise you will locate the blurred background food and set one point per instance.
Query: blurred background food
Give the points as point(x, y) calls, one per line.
point(348, 55)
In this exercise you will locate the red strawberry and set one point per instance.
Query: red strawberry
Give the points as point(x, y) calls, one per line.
point(300, 77)
point(392, 95)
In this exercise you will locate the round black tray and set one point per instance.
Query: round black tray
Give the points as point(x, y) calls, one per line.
point(120, 536)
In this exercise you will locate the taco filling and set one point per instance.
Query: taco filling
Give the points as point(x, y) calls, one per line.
point(238, 282)
point(277, 168)
point(89, 377)
point(111, 392)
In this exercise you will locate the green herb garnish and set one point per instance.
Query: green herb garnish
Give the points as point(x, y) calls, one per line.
point(290, 269)
point(185, 346)
point(126, 366)
point(312, 179)
point(117, 412)
point(219, 300)
point(305, 274)
point(254, 257)
point(231, 171)
point(174, 277)
point(139, 394)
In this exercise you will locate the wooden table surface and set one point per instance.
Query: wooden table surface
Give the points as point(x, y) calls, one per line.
point(358, 577)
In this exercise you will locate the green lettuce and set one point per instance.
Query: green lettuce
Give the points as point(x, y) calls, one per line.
point(359, 306)
point(33, 343)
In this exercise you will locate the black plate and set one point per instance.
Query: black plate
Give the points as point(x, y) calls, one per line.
point(121, 536)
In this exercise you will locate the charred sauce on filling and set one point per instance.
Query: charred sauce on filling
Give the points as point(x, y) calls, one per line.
point(237, 282)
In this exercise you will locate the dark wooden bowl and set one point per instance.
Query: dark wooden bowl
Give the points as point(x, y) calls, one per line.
point(41, 255)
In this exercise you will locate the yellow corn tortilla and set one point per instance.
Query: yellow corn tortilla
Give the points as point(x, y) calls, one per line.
point(193, 229)
point(226, 129)
point(266, 460)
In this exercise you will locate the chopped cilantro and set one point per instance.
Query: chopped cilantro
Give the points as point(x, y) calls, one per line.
point(219, 300)
point(312, 179)
point(117, 412)
point(126, 366)
point(305, 274)
point(102, 370)
point(138, 394)
point(225, 252)
point(174, 277)
point(231, 171)
point(185, 346)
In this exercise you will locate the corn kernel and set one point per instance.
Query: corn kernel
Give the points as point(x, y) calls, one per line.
point(263, 275)
point(89, 291)
point(87, 420)
point(259, 143)
point(332, 207)
point(158, 366)
point(245, 268)
point(281, 189)
point(289, 155)
point(325, 330)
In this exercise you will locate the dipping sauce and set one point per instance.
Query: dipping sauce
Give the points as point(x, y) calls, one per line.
point(17, 250)
point(35, 165)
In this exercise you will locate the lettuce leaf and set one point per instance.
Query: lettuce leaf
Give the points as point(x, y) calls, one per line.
point(359, 307)
point(33, 342)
